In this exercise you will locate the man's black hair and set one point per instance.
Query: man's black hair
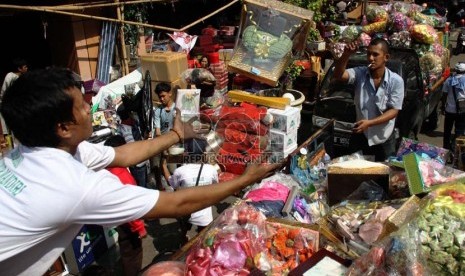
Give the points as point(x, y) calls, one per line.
point(115, 141)
point(383, 42)
point(162, 87)
point(36, 103)
point(18, 63)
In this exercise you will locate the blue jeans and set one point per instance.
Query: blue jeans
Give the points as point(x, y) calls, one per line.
point(140, 175)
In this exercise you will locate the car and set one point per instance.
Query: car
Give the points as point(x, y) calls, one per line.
point(335, 100)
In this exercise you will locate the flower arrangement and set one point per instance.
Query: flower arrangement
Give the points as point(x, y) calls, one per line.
point(291, 73)
point(314, 35)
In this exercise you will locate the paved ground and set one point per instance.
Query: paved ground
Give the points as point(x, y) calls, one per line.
point(163, 234)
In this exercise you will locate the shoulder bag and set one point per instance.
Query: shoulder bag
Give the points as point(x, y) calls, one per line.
point(459, 103)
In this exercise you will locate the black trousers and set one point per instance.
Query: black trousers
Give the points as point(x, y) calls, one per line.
point(130, 246)
point(381, 152)
point(450, 120)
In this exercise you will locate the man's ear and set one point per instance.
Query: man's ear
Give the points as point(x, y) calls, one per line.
point(386, 57)
point(63, 130)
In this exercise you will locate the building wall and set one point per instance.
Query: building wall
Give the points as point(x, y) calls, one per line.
point(86, 42)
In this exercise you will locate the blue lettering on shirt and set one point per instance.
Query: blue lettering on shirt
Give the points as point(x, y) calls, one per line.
point(8, 181)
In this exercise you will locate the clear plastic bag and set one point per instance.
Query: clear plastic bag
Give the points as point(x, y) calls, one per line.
point(360, 222)
point(354, 156)
point(235, 243)
point(166, 268)
point(288, 246)
point(398, 254)
point(441, 226)
point(369, 191)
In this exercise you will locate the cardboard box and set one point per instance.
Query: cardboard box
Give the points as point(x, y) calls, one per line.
point(282, 142)
point(268, 72)
point(285, 120)
point(111, 236)
point(226, 54)
point(344, 181)
point(279, 156)
point(164, 66)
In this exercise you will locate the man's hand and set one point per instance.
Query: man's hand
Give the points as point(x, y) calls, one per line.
point(258, 171)
point(351, 48)
point(361, 126)
point(340, 72)
point(186, 130)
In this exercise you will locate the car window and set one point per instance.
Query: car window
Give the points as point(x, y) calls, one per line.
point(335, 88)
point(411, 78)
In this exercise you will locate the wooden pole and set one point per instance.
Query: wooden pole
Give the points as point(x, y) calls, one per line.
point(93, 5)
point(208, 16)
point(124, 55)
point(31, 8)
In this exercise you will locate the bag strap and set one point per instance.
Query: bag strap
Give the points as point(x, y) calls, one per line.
point(455, 98)
point(198, 176)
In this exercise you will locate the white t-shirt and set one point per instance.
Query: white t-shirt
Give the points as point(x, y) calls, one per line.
point(186, 176)
point(47, 195)
point(7, 82)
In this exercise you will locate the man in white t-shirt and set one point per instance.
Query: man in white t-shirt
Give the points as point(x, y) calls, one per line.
point(53, 183)
point(19, 67)
point(186, 176)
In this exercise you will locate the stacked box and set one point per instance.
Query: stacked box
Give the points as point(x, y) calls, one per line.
point(279, 156)
point(287, 120)
point(225, 55)
point(164, 66)
point(209, 31)
point(283, 129)
point(227, 30)
point(205, 40)
point(282, 142)
point(220, 73)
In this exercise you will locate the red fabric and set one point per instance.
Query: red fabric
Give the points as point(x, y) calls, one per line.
point(136, 226)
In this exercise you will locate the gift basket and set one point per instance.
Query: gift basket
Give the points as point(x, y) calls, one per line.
point(441, 227)
point(360, 224)
point(399, 254)
point(241, 241)
point(422, 149)
point(269, 33)
point(424, 173)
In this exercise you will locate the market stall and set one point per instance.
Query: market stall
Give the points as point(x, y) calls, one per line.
point(320, 214)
